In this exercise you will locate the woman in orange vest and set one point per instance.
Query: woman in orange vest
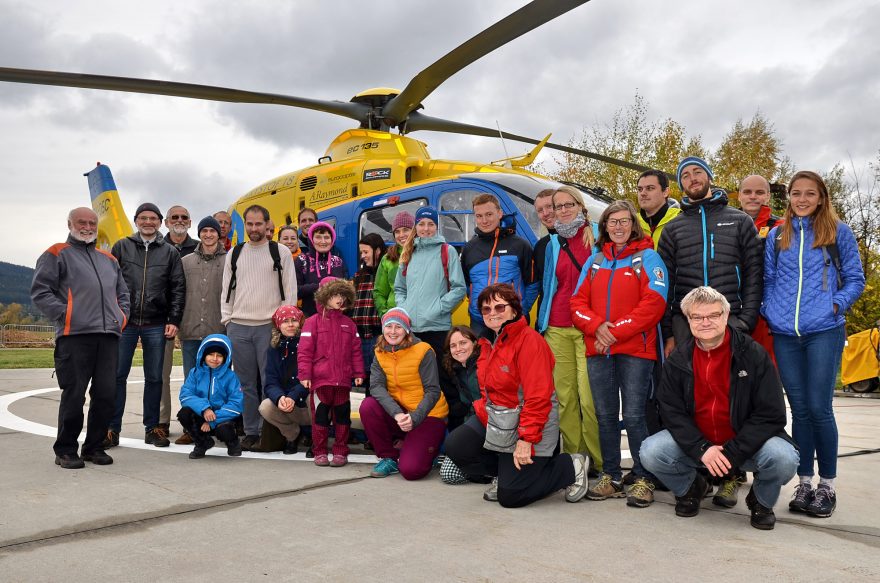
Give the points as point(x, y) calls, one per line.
point(405, 414)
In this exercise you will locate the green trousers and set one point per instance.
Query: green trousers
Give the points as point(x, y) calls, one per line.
point(577, 416)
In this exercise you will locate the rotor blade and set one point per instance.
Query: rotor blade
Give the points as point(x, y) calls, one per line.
point(528, 17)
point(418, 121)
point(354, 111)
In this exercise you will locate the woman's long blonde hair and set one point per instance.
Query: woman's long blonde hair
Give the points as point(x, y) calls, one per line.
point(825, 218)
point(407, 250)
point(579, 199)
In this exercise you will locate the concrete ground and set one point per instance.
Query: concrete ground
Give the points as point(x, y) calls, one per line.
point(157, 515)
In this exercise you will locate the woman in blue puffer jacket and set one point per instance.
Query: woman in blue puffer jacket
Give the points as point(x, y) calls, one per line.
point(812, 276)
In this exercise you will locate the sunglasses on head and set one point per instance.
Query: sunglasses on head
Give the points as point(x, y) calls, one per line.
point(497, 308)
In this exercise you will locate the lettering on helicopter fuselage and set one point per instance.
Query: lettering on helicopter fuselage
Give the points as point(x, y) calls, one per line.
point(377, 174)
point(102, 206)
point(341, 177)
point(330, 195)
point(364, 146)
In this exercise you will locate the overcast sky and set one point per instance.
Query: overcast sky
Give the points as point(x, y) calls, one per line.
point(809, 66)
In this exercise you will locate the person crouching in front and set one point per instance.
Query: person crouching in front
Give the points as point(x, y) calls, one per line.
point(211, 398)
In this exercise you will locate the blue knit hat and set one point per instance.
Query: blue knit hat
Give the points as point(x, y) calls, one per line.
point(692, 161)
point(428, 212)
point(398, 316)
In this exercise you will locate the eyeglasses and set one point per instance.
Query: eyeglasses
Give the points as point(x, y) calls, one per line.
point(497, 308)
point(565, 205)
point(179, 217)
point(714, 317)
point(621, 222)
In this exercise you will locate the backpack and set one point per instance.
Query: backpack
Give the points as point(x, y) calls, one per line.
point(444, 258)
point(276, 266)
point(830, 256)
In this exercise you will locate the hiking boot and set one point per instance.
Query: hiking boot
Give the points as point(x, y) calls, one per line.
point(197, 453)
point(322, 460)
point(112, 439)
point(641, 493)
point(98, 457)
point(291, 447)
point(577, 491)
point(69, 461)
point(384, 468)
point(606, 488)
point(726, 495)
point(157, 437)
point(824, 502)
point(491, 495)
point(166, 427)
point(233, 447)
point(803, 496)
point(338, 460)
point(689, 504)
point(763, 518)
point(249, 442)
point(185, 439)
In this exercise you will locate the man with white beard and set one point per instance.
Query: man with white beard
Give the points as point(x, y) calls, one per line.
point(178, 222)
point(81, 289)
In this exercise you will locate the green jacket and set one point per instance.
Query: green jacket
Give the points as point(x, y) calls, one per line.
point(383, 286)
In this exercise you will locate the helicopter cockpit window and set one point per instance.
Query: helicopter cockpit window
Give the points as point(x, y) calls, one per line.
point(378, 220)
point(457, 215)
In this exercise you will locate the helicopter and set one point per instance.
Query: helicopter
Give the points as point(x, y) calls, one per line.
point(376, 165)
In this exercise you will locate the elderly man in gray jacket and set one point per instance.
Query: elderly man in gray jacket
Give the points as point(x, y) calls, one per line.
point(81, 289)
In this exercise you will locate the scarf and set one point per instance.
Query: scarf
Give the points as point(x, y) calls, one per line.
point(571, 229)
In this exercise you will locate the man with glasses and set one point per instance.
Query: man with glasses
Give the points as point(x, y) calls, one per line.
point(154, 276)
point(225, 221)
point(178, 223)
point(722, 404)
point(711, 244)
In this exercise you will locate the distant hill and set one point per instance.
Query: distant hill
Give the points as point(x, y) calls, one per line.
point(15, 284)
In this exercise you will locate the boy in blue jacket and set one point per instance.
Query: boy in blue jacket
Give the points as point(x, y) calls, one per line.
point(211, 398)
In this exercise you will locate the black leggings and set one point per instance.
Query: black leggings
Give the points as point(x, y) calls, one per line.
point(516, 488)
point(341, 414)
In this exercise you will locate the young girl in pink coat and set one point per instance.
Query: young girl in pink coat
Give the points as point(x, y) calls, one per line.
point(329, 358)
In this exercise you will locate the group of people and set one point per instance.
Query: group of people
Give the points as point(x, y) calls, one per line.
point(676, 316)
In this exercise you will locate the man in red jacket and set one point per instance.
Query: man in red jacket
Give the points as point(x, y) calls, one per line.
point(721, 402)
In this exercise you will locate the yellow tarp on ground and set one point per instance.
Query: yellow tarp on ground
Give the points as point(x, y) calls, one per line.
point(860, 357)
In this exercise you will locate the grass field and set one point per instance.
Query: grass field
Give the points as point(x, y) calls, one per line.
point(42, 358)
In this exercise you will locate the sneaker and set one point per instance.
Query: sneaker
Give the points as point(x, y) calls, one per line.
point(98, 457)
point(384, 468)
point(197, 453)
point(763, 518)
point(641, 493)
point(338, 460)
point(803, 496)
point(824, 502)
point(606, 488)
point(249, 442)
point(185, 439)
point(726, 495)
point(491, 495)
point(576, 491)
point(112, 439)
point(322, 460)
point(689, 504)
point(69, 461)
point(157, 436)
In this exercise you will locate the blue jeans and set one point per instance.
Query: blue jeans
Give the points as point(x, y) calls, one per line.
point(773, 465)
point(153, 342)
point(190, 349)
point(808, 366)
point(613, 377)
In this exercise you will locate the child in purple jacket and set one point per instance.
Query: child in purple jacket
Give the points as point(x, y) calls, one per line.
point(329, 358)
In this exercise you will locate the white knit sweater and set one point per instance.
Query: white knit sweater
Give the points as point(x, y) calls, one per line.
point(256, 296)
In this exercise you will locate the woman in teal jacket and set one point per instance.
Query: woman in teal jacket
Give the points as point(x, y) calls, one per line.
point(430, 291)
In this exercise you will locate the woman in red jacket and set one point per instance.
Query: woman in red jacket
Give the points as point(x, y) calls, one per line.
point(618, 303)
point(515, 372)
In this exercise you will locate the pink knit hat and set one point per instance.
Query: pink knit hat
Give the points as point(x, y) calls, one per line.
point(403, 219)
